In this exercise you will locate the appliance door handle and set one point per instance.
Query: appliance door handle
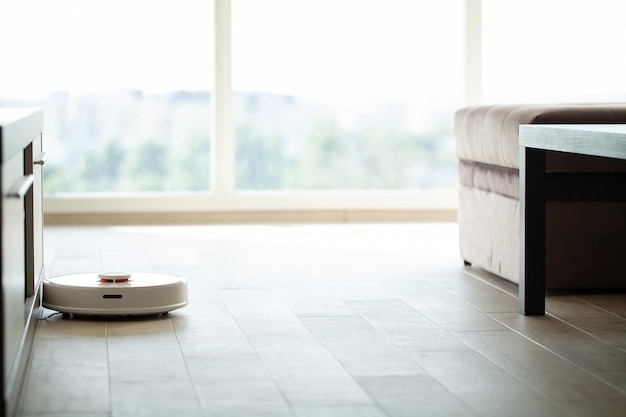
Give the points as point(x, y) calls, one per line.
point(21, 187)
point(41, 158)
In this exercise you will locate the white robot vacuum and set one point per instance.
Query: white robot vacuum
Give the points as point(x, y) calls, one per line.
point(118, 293)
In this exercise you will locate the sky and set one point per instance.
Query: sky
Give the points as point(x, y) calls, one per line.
point(328, 49)
point(355, 48)
point(105, 44)
point(556, 50)
point(316, 48)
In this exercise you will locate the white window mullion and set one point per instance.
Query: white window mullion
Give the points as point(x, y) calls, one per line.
point(473, 52)
point(222, 137)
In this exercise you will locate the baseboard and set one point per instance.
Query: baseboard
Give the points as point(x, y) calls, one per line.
point(251, 217)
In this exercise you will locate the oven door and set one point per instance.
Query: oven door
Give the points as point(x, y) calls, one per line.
point(16, 185)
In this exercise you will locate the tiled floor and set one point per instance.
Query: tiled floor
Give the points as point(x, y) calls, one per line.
point(321, 320)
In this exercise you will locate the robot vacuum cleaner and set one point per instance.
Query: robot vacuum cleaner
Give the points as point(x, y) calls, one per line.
point(118, 293)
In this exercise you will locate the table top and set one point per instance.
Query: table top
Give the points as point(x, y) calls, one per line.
point(18, 127)
point(607, 140)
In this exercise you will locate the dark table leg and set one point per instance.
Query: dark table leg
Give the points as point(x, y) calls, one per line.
point(532, 198)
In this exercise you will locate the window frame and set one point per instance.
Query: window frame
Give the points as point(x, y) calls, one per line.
point(223, 196)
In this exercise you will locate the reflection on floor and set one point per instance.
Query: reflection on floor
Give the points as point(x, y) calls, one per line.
point(321, 320)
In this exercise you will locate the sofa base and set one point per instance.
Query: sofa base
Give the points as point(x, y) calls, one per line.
point(584, 240)
point(492, 245)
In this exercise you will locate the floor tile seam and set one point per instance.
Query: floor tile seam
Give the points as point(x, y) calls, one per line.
point(188, 371)
point(260, 358)
point(565, 322)
point(600, 308)
point(350, 375)
point(291, 404)
point(445, 386)
point(490, 314)
point(458, 298)
point(441, 383)
point(375, 402)
point(467, 271)
point(531, 387)
point(563, 358)
point(280, 297)
point(387, 341)
point(468, 404)
point(309, 316)
point(393, 343)
point(429, 375)
point(109, 377)
point(469, 303)
point(546, 313)
point(477, 277)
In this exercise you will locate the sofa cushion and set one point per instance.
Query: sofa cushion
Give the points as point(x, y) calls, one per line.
point(490, 134)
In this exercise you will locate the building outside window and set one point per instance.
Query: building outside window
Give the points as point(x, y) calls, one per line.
point(346, 94)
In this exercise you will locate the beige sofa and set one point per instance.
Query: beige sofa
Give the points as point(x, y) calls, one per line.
point(584, 239)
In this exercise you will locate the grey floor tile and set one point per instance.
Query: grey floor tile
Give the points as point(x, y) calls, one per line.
point(306, 372)
point(262, 312)
point(612, 303)
point(408, 329)
point(594, 408)
point(617, 379)
point(145, 350)
point(568, 307)
point(154, 399)
point(247, 411)
point(233, 274)
point(488, 278)
point(67, 376)
point(477, 382)
point(360, 349)
point(592, 319)
point(55, 326)
point(553, 376)
point(356, 411)
point(483, 296)
point(361, 289)
point(247, 393)
point(456, 315)
point(401, 396)
point(313, 300)
point(320, 320)
point(586, 351)
point(210, 327)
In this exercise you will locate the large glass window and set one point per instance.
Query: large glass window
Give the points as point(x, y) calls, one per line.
point(125, 87)
point(348, 94)
point(553, 51)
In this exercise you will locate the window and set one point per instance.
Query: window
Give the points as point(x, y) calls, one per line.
point(125, 87)
point(553, 51)
point(337, 101)
point(346, 95)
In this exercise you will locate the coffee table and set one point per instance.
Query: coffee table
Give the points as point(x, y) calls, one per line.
point(607, 140)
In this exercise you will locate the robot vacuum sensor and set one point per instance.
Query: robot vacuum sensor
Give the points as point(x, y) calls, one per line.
point(118, 293)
